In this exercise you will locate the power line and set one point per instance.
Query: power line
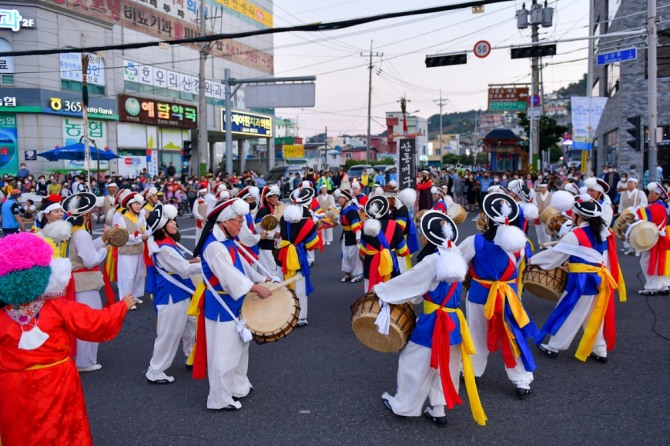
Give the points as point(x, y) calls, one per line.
point(313, 27)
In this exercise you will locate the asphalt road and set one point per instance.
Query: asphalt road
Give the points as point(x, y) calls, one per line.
point(320, 386)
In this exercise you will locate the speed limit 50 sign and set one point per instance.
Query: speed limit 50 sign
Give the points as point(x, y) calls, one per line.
point(482, 49)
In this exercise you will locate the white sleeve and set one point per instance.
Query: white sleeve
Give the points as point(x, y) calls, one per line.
point(551, 258)
point(132, 238)
point(195, 211)
point(171, 261)
point(409, 286)
point(643, 199)
point(232, 280)
point(608, 214)
point(91, 252)
point(467, 248)
point(248, 238)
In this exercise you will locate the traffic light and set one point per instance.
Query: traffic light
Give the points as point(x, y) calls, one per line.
point(186, 150)
point(525, 52)
point(635, 132)
point(446, 59)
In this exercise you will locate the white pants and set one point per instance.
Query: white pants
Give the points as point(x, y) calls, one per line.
point(351, 263)
point(478, 328)
point(652, 282)
point(131, 275)
point(227, 364)
point(310, 256)
point(579, 317)
point(327, 235)
point(87, 352)
point(417, 380)
point(173, 325)
point(542, 236)
point(300, 291)
point(198, 233)
point(266, 259)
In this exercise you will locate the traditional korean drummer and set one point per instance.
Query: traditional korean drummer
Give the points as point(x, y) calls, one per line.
point(222, 339)
point(589, 291)
point(632, 199)
point(654, 263)
point(428, 366)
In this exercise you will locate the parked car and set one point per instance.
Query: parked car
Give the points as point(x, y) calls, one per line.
point(281, 173)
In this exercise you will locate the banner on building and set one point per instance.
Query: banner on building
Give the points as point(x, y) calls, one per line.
point(586, 113)
point(293, 151)
point(9, 153)
point(407, 163)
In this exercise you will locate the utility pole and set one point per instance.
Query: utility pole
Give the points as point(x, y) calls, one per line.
point(370, 67)
point(201, 147)
point(652, 99)
point(534, 90)
point(325, 149)
point(442, 102)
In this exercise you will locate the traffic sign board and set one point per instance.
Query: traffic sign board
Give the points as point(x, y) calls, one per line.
point(482, 49)
point(534, 100)
point(507, 98)
point(617, 56)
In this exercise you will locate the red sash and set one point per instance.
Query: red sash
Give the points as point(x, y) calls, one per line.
point(440, 350)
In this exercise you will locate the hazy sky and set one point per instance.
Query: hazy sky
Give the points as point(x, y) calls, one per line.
point(342, 74)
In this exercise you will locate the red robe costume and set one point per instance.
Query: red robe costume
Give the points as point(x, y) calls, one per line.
point(41, 397)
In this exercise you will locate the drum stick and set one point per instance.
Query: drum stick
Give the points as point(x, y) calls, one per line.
point(183, 248)
point(254, 260)
point(285, 283)
point(548, 244)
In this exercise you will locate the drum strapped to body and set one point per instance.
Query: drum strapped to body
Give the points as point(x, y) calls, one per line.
point(330, 219)
point(418, 215)
point(481, 224)
point(272, 318)
point(642, 235)
point(546, 284)
point(554, 224)
point(364, 312)
point(457, 213)
point(547, 213)
point(117, 236)
point(622, 223)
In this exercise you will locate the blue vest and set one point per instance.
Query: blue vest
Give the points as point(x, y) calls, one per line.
point(8, 218)
point(164, 289)
point(489, 263)
point(423, 333)
point(213, 310)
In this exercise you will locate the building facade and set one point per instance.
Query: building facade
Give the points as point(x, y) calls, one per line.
point(625, 84)
point(143, 102)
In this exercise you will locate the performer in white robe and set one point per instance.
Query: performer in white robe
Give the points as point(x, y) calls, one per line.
point(326, 201)
point(231, 278)
point(542, 200)
point(199, 213)
point(86, 255)
point(172, 293)
point(428, 367)
point(631, 199)
point(131, 269)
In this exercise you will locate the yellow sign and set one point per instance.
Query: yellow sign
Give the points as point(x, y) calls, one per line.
point(294, 151)
point(250, 10)
point(585, 159)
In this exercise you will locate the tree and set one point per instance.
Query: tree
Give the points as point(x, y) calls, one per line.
point(550, 135)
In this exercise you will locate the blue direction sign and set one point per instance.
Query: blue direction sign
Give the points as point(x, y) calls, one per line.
point(617, 56)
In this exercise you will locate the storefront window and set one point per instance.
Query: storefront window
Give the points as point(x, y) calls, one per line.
point(611, 143)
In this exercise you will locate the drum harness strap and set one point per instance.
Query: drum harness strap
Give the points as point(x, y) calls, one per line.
point(109, 292)
point(440, 353)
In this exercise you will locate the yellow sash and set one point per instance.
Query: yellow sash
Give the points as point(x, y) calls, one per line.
point(385, 267)
point(597, 318)
point(467, 349)
point(508, 295)
point(45, 366)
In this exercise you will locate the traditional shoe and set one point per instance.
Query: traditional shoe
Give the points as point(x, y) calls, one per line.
point(133, 308)
point(522, 393)
point(345, 279)
point(91, 368)
point(600, 359)
point(437, 421)
point(251, 389)
point(188, 366)
point(229, 407)
point(301, 322)
point(649, 292)
point(160, 381)
point(139, 301)
point(356, 279)
point(548, 353)
point(387, 404)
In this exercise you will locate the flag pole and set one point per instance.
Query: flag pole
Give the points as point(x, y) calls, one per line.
point(84, 109)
